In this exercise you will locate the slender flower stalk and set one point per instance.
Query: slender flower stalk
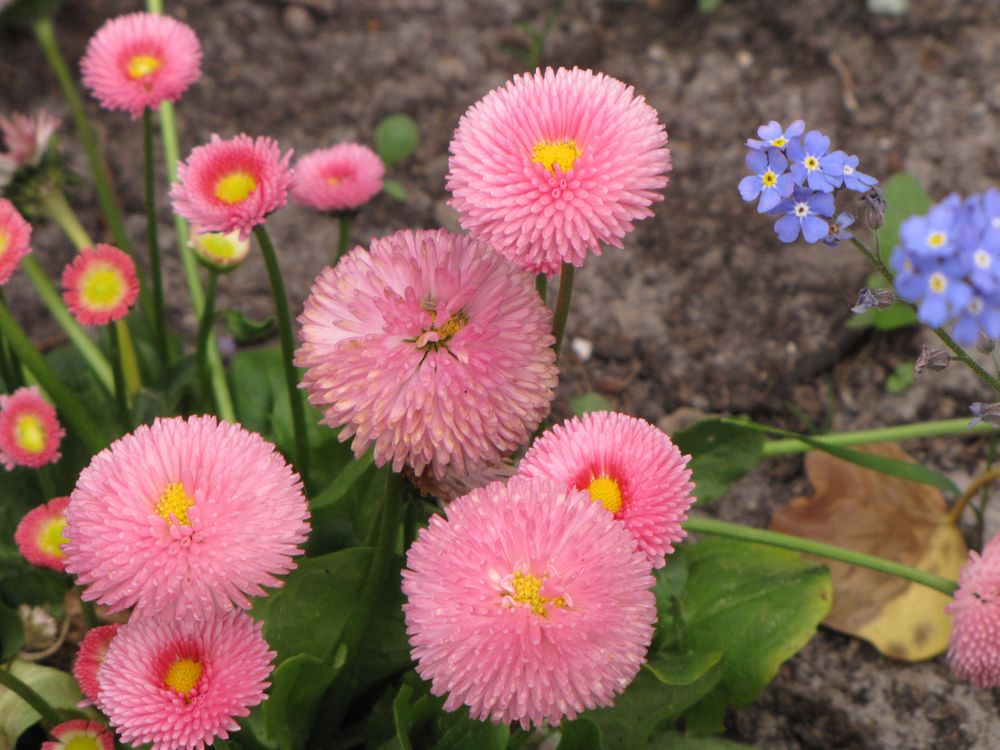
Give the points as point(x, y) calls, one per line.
point(57, 208)
point(121, 394)
point(937, 428)
point(287, 350)
point(978, 483)
point(562, 304)
point(204, 332)
point(159, 321)
point(542, 285)
point(50, 716)
point(344, 237)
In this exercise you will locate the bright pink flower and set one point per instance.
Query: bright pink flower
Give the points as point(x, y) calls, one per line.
point(339, 178)
point(555, 163)
point(80, 734)
point(100, 285)
point(30, 432)
point(139, 60)
point(39, 535)
point(627, 464)
point(27, 140)
point(184, 518)
point(528, 604)
point(179, 684)
point(15, 239)
point(233, 184)
point(432, 347)
point(974, 645)
point(90, 657)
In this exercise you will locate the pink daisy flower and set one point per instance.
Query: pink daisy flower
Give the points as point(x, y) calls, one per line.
point(39, 535)
point(974, 645)
point(30, 433)
point(555, 163)
point(432, 347)
point(627, 464)
point(219, 250)
point(234, 184)
point(90, 657)
point(15, 239)
point(339, 178)
point(184, 518)
point(179, 684)
point(511, 600)
point(80, 734)
point(100, 285)
point(27, 140)
point(140, 60)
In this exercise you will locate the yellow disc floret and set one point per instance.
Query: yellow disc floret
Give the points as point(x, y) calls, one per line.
point(82, 742)
point(29, 433)
point(605, 490)
point(140, 66)
point(936, 239)
point(218, 245)
point(182, 676)
point(769, 178)
point(563, 153)
point(779, 142)
point(528, 590)
point(332, 180)
point(4, 241)
point(51, 536)
point(811, 163)
point(453, 325)
point(102, 286)
point(937, 282)
point(174, 502)
point(235, 187)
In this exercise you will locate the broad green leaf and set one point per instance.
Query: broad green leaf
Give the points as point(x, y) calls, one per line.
point(297, 685)
point(900, 379)
point(395, 190)
point(588, 402)
point(411, 710)
point(344, 482)
point(246, 330)
point(721, 452)
point(459, 732)
point(396, 137)
point(11, 633)
point(58, 688)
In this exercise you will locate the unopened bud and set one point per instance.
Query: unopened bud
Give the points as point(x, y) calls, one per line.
point(985, 344)
point(874, 208)
point(931, 359)
point(981, 412)
point(219, 250)
point(873, 298)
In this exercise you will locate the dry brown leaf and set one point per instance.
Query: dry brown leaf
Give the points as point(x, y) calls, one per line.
point(894, 518)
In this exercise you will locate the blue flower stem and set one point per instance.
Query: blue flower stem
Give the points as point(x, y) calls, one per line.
point(562, 305)
point(287, 350)
point(819, 549)
point(204, 331)
point(49, 715)
point(121, 395)
point(159, 319)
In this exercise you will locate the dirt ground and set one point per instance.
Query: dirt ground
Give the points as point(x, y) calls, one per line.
point(704, 309)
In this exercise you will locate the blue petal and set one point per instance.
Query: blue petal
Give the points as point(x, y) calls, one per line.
point(799, 173)
point(821, 204)
point(756, 162)
point(933, 311)
point(776, 160)
point(786, 183)
point(816, 143)
point(913, 232)
point(770, 131)
point(966, 330)
point(750, 187)
point(814, 228)
point(820, 183)
point(795, 151)
point(769, 198)
point(796, 128)
point(833, 163)
point(787, 228)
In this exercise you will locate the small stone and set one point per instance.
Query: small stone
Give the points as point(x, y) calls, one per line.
point(298, 20)
point(582, 348)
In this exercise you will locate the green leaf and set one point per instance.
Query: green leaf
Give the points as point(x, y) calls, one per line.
point(11, 633)
point(395, 190)
point(721, 452)
point(396, 137)
point(459, 732)
point(246, 330)
point(344, 482)
point(900, 379)
point(588, 402)
point(709, 6)
point(25, 13)
point(411, 710)
point(297, 686)
point(58, 688)
point(677, 741)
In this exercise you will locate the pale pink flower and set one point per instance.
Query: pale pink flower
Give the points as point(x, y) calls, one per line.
point(15, 239)
point(100, 285)
point(179, 684)
point(39, 535)
point(139, 60)
point(27, 139)
point(80, 734)
point(554, 163)
point(339, 178)
point(454, 484)
point(232, 184)
point(432, 347)
point(30, 432)
point(974, 645)
point(627, 464)
point(184, 518)
point(90, 657)
point(528, 604)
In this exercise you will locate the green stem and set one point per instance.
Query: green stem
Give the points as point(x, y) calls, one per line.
point(159, 320)
point(936, 428)
point(49, 715)
point(204, 331)
point(89, 612)
point(9, 366)
point(45, 482)
point(542, 285)
point(130, 364)
point(65, 400)
point(121, 395)
point(562, 305)
point(287, 350)
point(819, 549)
point(57, 208)
point(344, 235)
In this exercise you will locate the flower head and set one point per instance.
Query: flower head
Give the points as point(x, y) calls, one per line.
point(974, 645)
point(27, 138)
point(90, 657)
point(219, 250)
point(769, 179)
point(100, 285)
point(39, 535)
point(773, 135)
point(842, 171)
point(839, 229)
point(80, 734)
point(187, 517)
point(30, 433)
point(179, 684)
point(554, 163)
point(432, 347)
point(629, 466)
point(15, 239)
point(232, 184)
point(807, 163)
point(806, 212)
point(339, 178)
point(139, 60)
point(528, 604)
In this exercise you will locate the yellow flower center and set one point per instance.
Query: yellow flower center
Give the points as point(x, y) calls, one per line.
point(140, 66)
point(779, 141)
point(445, 332)
point(183, 675)
point(102, 287)
point(218, 245)
point(770, 178)
point(549, 154)
point(453, 325)
point(528, 590)
point(83, 742)
point(936, 239)
point(811, 163)
point(3, 241)
point(333, 180)
point(235, 187)
point(605, 490)
point(29, 433)
point(938, 282)
point(51, 536)
point(174, 502)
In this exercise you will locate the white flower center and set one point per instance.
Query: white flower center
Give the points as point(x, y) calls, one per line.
point(996, 222)
point(937, 282)
point(982, 258)
point(975, 306)
point(802, 210)
point(848, 169)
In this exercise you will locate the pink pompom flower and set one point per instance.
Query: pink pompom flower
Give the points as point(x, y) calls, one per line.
point(30, 432)
point(626, 463)
point(232, 184)
point(15, 239)
point(512, 601)
point(100, 285)
point(80, 734)
point(27, 139)
point(339, 178)
point(139, 60)
point(184, 518)
point(179, 684)
point(554, 163)
point(90, 657)
point(39, 535)
point(974, 644)
point(432, 347)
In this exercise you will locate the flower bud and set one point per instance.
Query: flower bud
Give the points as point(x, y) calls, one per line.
point(982, 412)
point(931, 359)
point(219, 251)
point(873, 298)
point(874, 208)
